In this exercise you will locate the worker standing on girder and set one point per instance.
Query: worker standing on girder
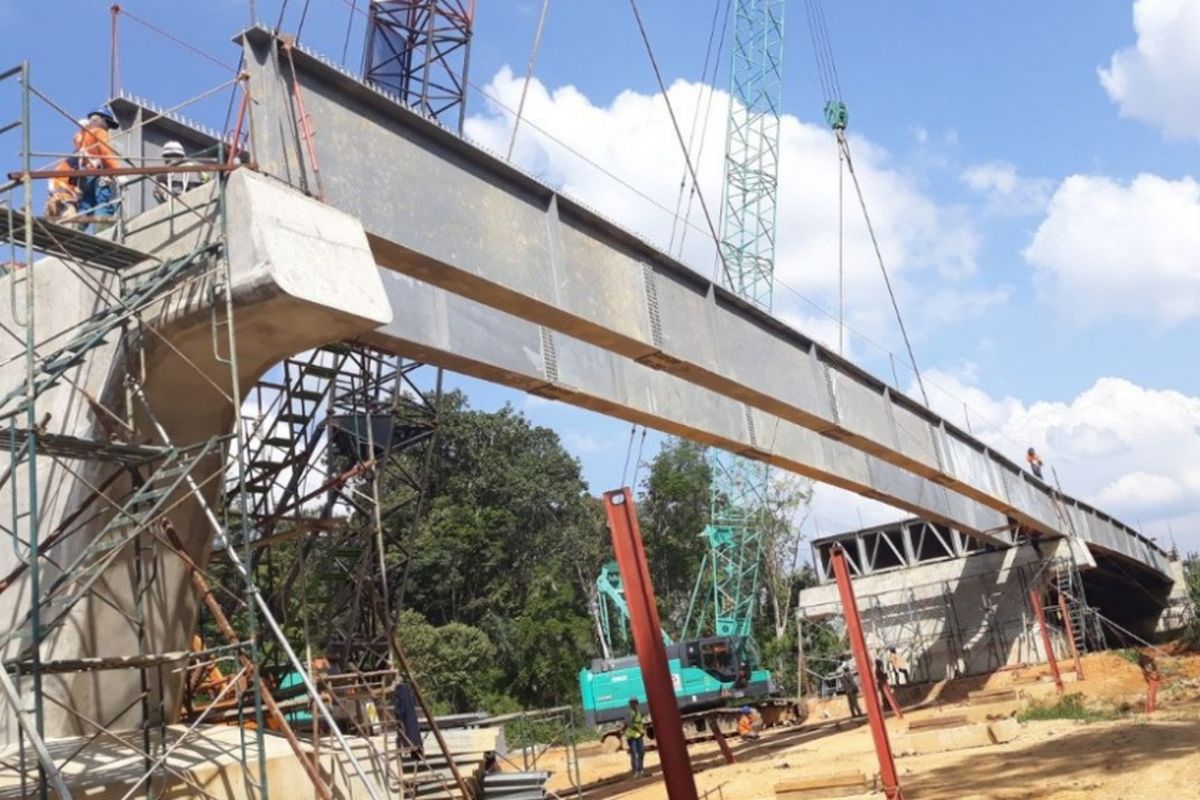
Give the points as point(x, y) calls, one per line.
point(173, 184)
point(97, 193)
point(1035, 463)
point(635, 737)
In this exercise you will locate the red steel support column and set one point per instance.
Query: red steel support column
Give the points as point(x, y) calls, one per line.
point(1040, 613)
point(715, 727)
point(891, 698)
point(1070, 631)
point(647, 638)
point(866, 674)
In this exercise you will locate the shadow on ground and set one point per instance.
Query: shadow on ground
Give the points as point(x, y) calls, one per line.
point(1081, 756)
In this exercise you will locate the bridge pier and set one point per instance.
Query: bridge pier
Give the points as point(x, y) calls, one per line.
point(302, 275)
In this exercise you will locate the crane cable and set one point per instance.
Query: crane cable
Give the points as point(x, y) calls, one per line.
point(835, 112)
point(687, 158)
point(712, 90)
point(537, 43)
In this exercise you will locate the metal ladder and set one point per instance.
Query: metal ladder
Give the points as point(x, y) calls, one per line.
point(1066, 583)
point(278, 455)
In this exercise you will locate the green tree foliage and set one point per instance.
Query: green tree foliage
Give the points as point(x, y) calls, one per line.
point(454, 663)
point(507, 546)
point(673, 508)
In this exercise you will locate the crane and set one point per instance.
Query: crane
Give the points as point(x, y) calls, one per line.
point(716, 658)
point(738, 500)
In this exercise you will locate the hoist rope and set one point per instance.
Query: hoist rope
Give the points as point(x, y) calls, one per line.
point(537, 43)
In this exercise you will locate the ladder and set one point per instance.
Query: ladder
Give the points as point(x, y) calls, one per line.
point(278, 454)
point(1067, 584)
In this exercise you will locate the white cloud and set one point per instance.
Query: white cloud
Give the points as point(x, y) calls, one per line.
point(585, 443)
point(1130, 450)
point(1107, 249)
point(926, 245)
point(1006, 190)
point(1157, 80)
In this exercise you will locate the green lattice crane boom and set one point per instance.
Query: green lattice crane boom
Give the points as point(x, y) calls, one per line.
point(715, 660)
point(724, 597)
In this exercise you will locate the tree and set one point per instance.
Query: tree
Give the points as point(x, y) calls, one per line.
point(505, 499)
point(508, 532)
point(788, 501)
point(454, 663)
point(673, 509)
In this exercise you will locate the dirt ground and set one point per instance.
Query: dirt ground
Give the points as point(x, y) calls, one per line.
point(1134, 757)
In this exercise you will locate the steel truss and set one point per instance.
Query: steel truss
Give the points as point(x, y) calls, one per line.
point(421, 51)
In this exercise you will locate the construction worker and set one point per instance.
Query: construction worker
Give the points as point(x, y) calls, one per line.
point(1153, 677)
point(749, 723)
point(408, 727)
point(881, 678)
point(1035, 463)
point(97, 193)
point(899, 666)
point(62, 200)
point(848, 675)
point(635, 737)
point(173, 184)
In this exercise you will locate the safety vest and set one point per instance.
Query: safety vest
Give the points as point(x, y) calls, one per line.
point(637, 726)
point(62, 186)
point(96, 152)
point(177, 183)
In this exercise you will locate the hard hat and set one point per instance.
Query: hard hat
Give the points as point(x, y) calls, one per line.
point(104, 114)
point(745, 709)
point(173, 148)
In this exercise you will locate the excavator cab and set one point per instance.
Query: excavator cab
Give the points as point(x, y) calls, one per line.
point(719, 657)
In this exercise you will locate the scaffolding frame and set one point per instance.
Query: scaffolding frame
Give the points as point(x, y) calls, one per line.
point(121, 519)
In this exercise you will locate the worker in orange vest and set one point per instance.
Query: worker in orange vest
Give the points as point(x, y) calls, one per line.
point(97, 193)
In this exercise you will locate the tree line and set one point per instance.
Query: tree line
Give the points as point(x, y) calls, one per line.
point(492, 574)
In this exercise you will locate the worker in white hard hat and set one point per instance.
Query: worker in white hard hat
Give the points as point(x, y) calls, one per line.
point(173, 184)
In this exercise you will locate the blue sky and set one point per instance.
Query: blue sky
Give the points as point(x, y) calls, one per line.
point(1028, 164)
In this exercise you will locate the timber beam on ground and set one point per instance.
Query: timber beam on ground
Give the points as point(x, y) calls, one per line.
point(458, 218)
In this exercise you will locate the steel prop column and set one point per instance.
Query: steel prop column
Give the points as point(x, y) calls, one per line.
point(1040, 614)
point(866, 674)
point(1070, 632)
point(647, 639)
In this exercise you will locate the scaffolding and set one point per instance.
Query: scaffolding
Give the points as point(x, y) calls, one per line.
point(270, 533)
point(96, 488)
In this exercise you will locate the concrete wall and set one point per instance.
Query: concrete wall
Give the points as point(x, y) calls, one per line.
point(1180, 611)
point(302, 276)
point(960, 616)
